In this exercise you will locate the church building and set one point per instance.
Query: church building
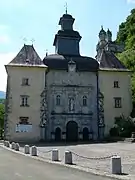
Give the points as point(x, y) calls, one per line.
point(66, 96)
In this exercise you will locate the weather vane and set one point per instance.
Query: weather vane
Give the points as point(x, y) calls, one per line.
point(46, 52)
point(66, 6)
point(25, 40)
point(32, 40)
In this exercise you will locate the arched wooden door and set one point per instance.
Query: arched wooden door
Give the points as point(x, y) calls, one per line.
point(85, 134)
point(57, 134)
point(72, 131)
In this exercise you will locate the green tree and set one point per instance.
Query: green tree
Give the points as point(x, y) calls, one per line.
point(2, 113)
point(126, 35)
point(123, 127)
point(126, 32)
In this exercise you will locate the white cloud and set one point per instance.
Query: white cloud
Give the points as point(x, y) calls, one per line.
point(5, 58)
point(4, 39)
point(130, 1)
point(4, 34)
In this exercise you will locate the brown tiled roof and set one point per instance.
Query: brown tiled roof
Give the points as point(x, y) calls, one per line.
point(27, 56)
point(107, 59)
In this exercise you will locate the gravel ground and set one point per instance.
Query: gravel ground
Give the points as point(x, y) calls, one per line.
point(125, 150)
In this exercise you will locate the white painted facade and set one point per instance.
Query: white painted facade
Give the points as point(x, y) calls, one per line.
point(37, 77)
point(71, 96)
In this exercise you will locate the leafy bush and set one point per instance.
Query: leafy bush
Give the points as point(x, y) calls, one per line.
point(123, 127)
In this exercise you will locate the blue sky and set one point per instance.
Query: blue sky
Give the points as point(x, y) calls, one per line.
point(38, 19)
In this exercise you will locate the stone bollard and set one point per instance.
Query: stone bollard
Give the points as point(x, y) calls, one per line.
point(68, 157)
point(8, 144)
point(27, 149)
point(33, 151)
point(5, 143)
point(116, 165)
point(17, 147)
point(133, 135)
point(55, 155)
point(13, 145)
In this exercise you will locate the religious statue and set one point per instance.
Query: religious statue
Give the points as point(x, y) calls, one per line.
point(71, 104)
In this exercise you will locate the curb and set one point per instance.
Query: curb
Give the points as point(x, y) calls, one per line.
point(87, 170)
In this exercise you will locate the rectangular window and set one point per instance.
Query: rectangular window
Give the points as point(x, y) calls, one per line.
point(84, 101)
point(58, 100)
point(24, 120)
point(116, 84)
point(25, 82)
point(24, 100)
point(117, 101)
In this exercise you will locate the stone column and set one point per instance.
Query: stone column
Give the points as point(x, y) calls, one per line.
point(81, 136)
point(95, 137)
point(53, 136)
point(41, 132)
point(64, 136)
point(90, 136)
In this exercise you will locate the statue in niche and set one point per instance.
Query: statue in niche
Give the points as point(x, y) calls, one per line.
point(71, 104)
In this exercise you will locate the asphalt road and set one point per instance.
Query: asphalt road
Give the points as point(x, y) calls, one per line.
point(17, 167)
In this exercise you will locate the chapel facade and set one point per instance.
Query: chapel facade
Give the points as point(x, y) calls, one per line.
point(66, 96)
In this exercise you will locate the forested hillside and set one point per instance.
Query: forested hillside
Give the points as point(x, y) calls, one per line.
point(126, 34)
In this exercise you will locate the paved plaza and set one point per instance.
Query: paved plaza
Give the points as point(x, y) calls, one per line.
point(17, 167)
point(101, 151)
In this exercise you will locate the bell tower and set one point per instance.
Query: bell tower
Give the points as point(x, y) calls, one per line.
point(67, 40)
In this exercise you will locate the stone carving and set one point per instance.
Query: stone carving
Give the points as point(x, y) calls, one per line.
point(71, 104)
point(43, 108)
point(101, 108)
point(58, 121)
point(86, 122)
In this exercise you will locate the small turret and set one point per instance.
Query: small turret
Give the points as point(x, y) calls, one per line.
point(109, 36)
point(102, 34)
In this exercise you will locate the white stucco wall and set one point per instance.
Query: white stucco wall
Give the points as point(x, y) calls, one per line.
point(36, 77)
point(106, 85)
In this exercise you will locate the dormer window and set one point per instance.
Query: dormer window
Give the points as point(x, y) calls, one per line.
point(71, 66)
